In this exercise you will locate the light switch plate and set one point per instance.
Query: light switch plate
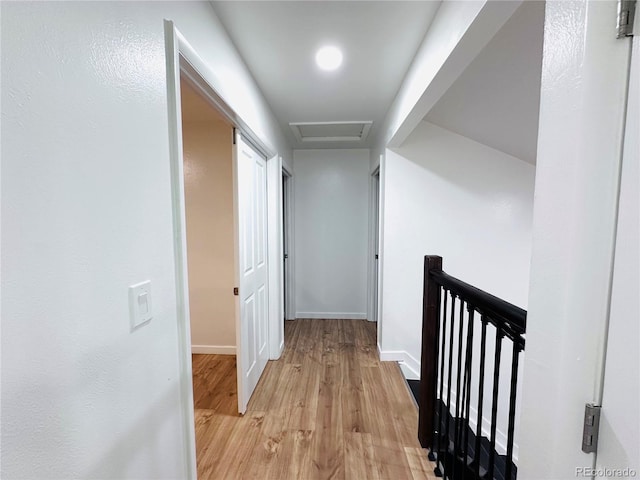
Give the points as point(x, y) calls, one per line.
point(140, 310)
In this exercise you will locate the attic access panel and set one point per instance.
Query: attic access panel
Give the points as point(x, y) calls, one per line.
point(331, 131)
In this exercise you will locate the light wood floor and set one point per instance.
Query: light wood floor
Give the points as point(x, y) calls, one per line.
point(328, 409)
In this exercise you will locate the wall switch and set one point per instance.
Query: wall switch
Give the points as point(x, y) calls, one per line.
point(140, 310)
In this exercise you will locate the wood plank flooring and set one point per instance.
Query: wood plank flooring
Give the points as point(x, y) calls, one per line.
point(328, 409)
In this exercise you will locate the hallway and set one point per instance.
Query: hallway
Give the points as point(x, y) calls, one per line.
point(328, 409)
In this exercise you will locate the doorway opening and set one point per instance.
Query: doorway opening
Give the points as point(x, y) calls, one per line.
point(375, 216)
point(373, 261)
point(255, 211)
point(287, 246)
point(209, 203)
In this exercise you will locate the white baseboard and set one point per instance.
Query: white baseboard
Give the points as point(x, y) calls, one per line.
point(332, 316)
point(280, 350)
point(214, 349)
point(410, 366)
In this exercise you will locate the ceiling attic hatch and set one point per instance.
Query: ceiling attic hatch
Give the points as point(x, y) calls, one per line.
point(331, 131)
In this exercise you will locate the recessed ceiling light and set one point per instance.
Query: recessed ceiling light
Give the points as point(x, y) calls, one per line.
point(329, 58)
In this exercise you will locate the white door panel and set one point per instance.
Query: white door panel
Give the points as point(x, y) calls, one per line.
point(252, 338)
point(619, 443)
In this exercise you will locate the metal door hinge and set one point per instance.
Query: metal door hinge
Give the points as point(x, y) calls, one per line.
point(236, 292)
point(626, 16)
point(233, 136)
point(591, 428)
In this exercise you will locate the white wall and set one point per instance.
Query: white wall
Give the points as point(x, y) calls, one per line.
point(208, 179)
point(86, 212)
point(331, 195)
point(458, 32)
point(450, 196)
point(577, 174)
point(1, 248)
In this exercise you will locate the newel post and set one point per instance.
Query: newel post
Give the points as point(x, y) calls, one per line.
point(429, 357)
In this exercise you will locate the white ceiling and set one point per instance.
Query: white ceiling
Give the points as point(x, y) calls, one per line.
point(278, 41)
point(496, 99)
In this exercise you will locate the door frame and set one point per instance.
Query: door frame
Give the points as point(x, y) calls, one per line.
point(289, 232)
point(373, 312)
point(183, 59)
point(275, 256)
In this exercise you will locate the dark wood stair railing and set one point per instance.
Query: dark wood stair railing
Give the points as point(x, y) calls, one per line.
point(459, 450)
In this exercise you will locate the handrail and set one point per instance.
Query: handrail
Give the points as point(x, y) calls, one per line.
point(453, 429)
point(483, 301)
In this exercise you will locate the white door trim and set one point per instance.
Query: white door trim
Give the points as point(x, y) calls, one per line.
point(180, 247)
point(275, 256)
point(374, 216)
point(182, 58)
point(381, 207)
point(290, 270)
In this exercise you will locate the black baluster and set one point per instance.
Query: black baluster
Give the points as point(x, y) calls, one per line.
point(468, 384)
point(440, 398)
point(483, 350)
point(456, 437)
point(512, 409)
point(494, 405)
point(460, 401)
point(453, 320)
point(436, 429)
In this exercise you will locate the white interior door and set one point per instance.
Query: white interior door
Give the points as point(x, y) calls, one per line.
point(619, 442)
point(252, 322)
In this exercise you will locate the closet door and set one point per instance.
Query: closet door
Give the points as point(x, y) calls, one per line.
point(251, 215)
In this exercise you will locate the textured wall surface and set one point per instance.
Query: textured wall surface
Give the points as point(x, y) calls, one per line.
point(86, 212)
